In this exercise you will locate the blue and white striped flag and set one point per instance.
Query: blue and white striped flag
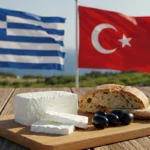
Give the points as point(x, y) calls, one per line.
point(29, 41)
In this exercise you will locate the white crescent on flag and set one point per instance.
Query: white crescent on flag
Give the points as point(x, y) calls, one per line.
point(95, 40)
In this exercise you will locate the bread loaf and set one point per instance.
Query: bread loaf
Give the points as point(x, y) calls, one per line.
point(142, 113)
point(113, 96)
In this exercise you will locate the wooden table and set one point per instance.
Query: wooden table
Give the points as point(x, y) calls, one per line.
point(6, 107)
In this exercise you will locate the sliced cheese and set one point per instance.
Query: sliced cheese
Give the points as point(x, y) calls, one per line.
point(29, 107)
point(76, 120)
point(52, 128)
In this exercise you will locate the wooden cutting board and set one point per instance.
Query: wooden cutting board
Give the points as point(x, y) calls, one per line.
point(79, 139)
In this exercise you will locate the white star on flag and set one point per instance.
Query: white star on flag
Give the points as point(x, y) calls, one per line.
point(125, 41)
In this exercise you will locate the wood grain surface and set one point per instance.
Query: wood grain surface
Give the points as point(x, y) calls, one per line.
point(6, 107)
point(79, 139)
point(5, 94)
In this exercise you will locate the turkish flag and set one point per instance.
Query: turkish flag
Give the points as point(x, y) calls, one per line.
point(111, 40)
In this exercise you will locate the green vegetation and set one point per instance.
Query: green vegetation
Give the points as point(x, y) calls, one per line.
point(88, 80)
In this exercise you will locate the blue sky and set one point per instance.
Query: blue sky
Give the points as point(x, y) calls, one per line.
point(66, 8)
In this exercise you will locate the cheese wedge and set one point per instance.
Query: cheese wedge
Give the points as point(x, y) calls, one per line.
point(76, 120)
point(29, 107)
point(52, 128)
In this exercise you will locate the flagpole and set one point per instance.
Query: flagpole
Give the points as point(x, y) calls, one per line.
point(76, 44)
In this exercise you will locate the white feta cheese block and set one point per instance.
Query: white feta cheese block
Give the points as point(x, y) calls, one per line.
point(76, 120)
point(52, 128)
point(29, 107)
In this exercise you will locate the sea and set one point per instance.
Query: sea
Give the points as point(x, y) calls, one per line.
point(69, 69)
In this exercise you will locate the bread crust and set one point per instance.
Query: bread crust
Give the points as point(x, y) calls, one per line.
point(110, 87)
point(138, 94)
point(142, 113)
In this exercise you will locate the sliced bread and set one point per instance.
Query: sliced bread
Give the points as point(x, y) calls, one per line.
point(113, 96)
point(142, 113)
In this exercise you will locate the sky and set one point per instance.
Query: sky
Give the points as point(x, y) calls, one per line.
point(67, 9)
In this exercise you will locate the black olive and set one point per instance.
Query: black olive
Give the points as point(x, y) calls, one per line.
point(117, 112)
point(100, 121)
point(113, 119)
point(127, 118)
point(100, 113)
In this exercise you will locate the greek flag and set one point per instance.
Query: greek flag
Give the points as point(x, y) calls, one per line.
point(28, 41)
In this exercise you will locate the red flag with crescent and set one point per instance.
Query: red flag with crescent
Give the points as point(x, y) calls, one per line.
point(111, 40)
